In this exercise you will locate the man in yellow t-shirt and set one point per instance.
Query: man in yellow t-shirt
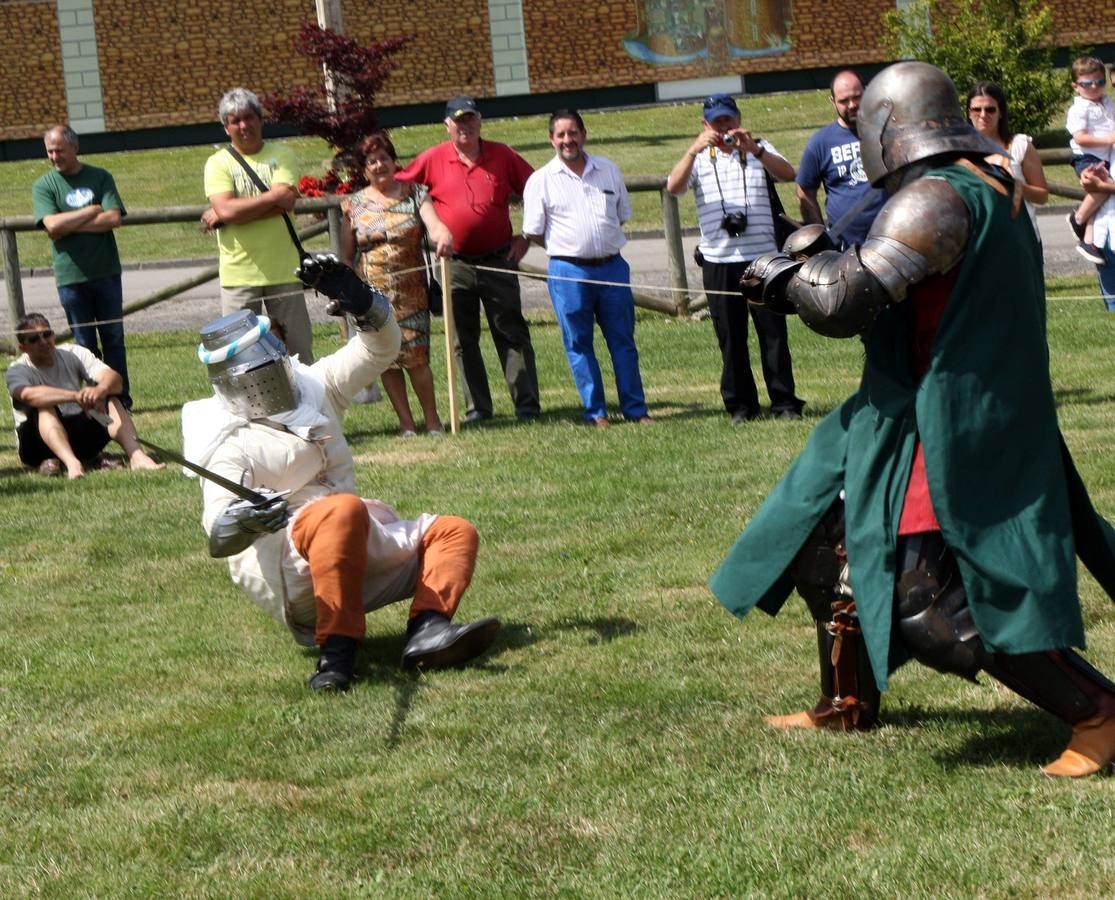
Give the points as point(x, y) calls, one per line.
point(257, 256)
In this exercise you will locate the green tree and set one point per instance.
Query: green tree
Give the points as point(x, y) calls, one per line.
point(1009, 42)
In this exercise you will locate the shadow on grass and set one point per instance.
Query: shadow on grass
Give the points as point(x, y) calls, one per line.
point(1081, 397)
point(601, 630)
point(1014, 737)
point(379, 658)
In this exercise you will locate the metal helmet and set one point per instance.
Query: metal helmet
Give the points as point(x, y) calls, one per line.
point(910, 112)
point(248, 366)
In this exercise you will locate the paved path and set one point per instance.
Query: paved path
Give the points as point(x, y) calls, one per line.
point(647, 256)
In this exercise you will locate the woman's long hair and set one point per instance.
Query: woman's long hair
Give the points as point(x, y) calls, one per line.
point(992, 90)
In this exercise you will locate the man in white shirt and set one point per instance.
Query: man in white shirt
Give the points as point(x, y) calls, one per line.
point(575, 206)
point(728, 168)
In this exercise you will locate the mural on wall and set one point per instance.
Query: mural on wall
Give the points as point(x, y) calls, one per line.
point(717, 31)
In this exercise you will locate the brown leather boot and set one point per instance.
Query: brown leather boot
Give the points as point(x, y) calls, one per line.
point(1091, 749)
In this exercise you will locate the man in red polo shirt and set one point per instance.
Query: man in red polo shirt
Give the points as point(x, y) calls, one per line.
point(471, 182)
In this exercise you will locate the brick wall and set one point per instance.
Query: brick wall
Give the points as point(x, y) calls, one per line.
point(34, 94)
point(167, 63)
point(452, 52)
point(569, 48)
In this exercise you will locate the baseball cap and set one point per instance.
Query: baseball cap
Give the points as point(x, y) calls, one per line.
point(720, 105)
point(461, 106)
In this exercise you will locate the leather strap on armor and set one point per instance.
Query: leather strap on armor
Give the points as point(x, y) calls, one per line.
point(849, 695)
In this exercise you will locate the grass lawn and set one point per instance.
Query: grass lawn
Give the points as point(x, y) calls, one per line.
point(157, 737)
point(646, 141)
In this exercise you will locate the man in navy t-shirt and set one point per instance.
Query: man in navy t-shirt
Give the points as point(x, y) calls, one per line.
point(832, 158)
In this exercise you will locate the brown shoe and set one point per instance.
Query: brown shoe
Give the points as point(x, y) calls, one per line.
point(50, 467)
point(601, 422)
point(841, 714)
point(794, 720)
point(1091, 749)
point(644, 420)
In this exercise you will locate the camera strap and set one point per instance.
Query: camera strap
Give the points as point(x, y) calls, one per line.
point(263, 188)
point(716, 175)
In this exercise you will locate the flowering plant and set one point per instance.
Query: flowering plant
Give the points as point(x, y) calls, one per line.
point(345, 116)
point(329, 183)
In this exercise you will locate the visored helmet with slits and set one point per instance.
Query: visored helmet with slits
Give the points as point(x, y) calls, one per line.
point(248, 366)
point(910, 111)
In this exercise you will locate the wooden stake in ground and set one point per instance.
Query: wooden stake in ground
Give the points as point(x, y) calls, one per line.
point(450, 340)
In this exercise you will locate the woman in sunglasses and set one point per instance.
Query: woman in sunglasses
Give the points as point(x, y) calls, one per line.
point(987, 111)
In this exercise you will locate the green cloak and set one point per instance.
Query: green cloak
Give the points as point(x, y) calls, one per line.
point(1011, 506)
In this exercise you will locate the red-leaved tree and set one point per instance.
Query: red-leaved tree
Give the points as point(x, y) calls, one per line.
point(358, 74)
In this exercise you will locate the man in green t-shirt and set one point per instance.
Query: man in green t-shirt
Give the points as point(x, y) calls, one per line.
point(78, 207)
point(257, 256)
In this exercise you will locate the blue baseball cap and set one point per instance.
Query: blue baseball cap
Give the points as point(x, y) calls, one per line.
point(459, 107)
point(720, 105)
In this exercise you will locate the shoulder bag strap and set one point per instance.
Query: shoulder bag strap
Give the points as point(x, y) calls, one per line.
point(258, 182)
point(422, 230)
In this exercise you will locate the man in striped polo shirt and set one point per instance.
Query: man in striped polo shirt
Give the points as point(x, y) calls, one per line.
point(575, 206)
point(728, 169)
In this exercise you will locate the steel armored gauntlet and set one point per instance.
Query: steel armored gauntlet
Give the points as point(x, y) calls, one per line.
point(242, 522)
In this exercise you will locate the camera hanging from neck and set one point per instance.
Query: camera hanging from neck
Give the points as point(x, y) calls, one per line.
point(734, 223)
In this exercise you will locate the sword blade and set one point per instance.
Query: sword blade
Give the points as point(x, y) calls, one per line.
point(239, 490)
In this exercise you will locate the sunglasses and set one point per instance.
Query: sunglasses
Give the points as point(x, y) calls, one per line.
point(1092, 82)
point(31, 339)
point(986, 110)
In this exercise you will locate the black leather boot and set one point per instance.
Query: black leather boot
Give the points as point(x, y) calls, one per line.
point(334, 666)
point(433, 642)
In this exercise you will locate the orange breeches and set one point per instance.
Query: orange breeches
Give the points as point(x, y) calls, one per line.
point(331, 534)
point(446, 560)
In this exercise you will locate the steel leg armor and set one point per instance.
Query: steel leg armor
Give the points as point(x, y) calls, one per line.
point(936, 626)
point(849, 695)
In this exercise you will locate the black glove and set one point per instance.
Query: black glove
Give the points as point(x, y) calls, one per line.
point(347, 293)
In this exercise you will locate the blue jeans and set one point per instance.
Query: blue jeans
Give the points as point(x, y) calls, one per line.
point(101, 302)
point(577, 305)
point(1107, 276)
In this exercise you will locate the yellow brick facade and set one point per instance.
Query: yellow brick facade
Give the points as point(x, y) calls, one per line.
point(34, 95)
point(167, 63)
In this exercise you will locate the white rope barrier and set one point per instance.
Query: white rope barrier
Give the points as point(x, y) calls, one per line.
point(649, 288)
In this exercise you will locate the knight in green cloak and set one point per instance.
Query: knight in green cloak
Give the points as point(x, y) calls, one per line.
point(936, 514)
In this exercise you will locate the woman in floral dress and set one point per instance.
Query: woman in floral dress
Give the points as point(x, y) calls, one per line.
point(381, 239)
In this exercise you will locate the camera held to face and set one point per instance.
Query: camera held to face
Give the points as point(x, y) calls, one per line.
point(735, 223)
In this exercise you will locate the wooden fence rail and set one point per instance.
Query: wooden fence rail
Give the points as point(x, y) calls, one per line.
point(678, 304)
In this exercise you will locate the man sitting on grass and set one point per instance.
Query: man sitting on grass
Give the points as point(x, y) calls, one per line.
point(51, 389)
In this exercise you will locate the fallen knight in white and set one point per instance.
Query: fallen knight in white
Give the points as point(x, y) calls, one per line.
point(316, 556)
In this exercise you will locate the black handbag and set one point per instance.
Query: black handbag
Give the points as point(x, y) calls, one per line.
point(433, 286)
point(783, 226)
